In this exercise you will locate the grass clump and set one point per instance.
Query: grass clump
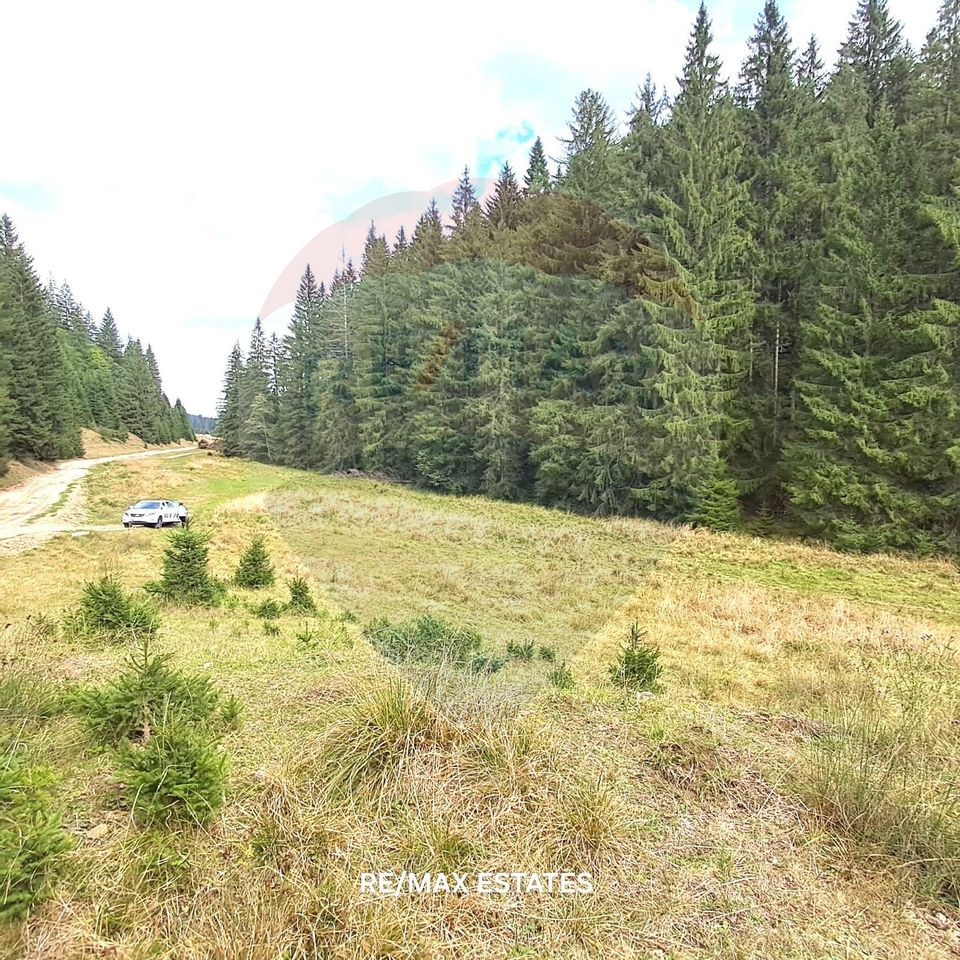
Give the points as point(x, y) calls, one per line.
point(885, 767)
point(147, 694)
point(487, 663)
point(179, 773)
point(255, 570)
point(107, 612)
point(638, 665)
point(521, 650)
point(301, 602)
point(186, 575)
point(368, 749)
point(33, 841)
point(560, 676)
point(424, 640)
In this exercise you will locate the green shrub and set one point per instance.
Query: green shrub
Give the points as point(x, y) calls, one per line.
point(32, 838)
point(300, 602)
point(424, 640)
point(267, 609)
point(179, 773)
point(255, 570)
point(271, 629)
point(638, 666)
point(520, 651)
point(186, 576)
point(547, 654)
point(560, 676)
point(146, 695)
point(106, 611)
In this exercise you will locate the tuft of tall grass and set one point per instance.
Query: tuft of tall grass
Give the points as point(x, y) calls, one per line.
point(884, 769)
point(368, 749)
point(423, 640)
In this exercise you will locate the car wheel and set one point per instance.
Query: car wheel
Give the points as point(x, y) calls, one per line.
point(126, 526)
point(159, 523)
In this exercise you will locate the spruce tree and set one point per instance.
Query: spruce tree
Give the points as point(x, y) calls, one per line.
point(503, 208)
point(876, 52)
point(228, 410)
point(257, 414)
point(464, 202)
point(938, 109)
point(537, 179)
point(297, 410)
point(376, 254)
point(108, 337)
point(589, 168)
point(255, 570)
point(699, 208)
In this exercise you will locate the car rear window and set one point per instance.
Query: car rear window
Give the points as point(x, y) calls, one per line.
point(146, 505)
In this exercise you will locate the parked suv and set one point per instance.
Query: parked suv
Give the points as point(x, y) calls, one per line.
point(156, 513)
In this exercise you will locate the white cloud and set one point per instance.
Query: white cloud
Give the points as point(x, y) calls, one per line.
point(188, 151)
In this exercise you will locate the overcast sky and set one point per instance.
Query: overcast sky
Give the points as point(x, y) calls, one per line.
point(171, 161)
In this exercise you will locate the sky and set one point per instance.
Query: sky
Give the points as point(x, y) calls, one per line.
point(178, 162)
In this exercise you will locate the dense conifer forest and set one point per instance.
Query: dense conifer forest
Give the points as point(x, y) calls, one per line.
point(741, 307)
point(61, 371)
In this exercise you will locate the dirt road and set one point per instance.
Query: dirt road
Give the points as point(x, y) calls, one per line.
point(35, 509)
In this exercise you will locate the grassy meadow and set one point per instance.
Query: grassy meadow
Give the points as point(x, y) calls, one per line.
point(789, 790)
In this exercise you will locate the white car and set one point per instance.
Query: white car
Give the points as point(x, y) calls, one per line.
point(155, 513)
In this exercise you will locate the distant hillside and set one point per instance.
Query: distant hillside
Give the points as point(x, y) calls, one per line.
point(202, 424)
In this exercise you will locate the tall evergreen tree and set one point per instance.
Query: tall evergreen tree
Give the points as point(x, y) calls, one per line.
point(876, 52)
point(464, 200)
point(229, 412)
point(376, 254)
point(589, 163)
point(537, 179)
point(503, 208)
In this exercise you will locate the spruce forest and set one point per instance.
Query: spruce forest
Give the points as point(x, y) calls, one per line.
point(741, 307)
point(61, 371)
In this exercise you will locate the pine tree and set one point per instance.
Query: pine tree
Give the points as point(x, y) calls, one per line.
point(376, 254)
point(108, 337)
point(876, 52)
point(255, 570)
point(297, 411)
point(938, 109)
point(537, 179)
point(426, 247)
point(465, 204)
point(699, 210)
point(871, 461)
point(257, 433)
point(228, 411)
point(42, 418)
point(589, 168)
point(503, 208)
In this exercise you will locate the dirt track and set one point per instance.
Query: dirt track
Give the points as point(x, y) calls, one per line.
point(24, 507)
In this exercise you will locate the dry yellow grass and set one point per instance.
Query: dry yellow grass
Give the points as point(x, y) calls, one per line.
point(94, 445)
point(685, 807)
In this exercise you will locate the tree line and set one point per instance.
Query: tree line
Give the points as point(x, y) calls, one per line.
point(741, 307)
point(60, 371)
